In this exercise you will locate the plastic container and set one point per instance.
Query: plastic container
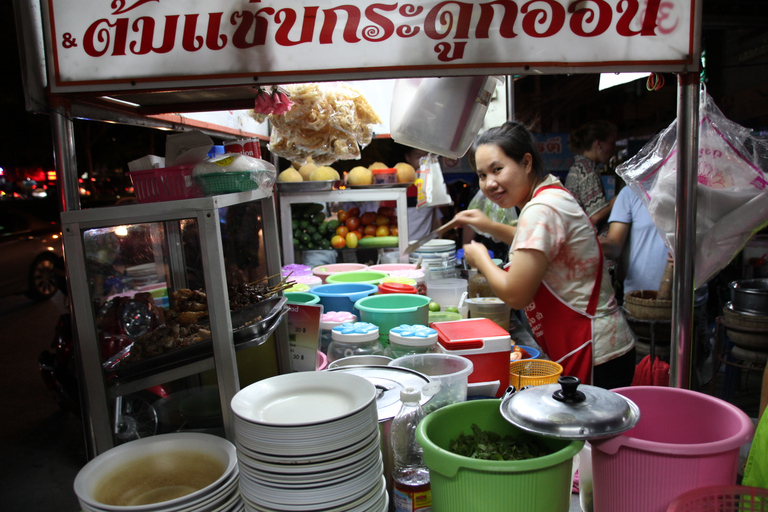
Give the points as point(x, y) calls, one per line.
point(533, 372)
point(357, 339)
point(410, 475)
point(440, 115)
point(310, 280)
point(484, 343)
point(412, 339)
point(322, 361)
point(492, 308)
point(461, 484)
point(417, 275)
point(449, 370)
point(330, 320)
point(165, 184)
point(342, 297)
point(443, 316)
point(722, 498)
point(384, 176)
point(528, 353)
point(302, 298)
point(297, 288)
point(250, 147)
point(323, 271)
point(358, 276)
point(390, 287)
point(393, 309)
point(684, 440)
point(295, 270)
point(446, 292)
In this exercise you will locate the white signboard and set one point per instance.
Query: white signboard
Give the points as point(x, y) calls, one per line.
point(151, 44)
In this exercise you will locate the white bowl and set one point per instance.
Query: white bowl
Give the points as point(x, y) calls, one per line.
point(161, 449)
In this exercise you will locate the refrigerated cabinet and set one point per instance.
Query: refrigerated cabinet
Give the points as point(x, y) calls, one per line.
point(115, 252)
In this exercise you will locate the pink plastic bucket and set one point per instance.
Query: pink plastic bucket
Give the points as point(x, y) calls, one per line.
point(684, 440)
point(323, 271)
point(322, 361)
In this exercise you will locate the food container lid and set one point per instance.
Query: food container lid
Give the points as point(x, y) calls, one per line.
point(356, 332)
point(394, 287)
point(415, 274)
point(413, 335)
point(389, 381)
point(570, 410)
point(331, 319)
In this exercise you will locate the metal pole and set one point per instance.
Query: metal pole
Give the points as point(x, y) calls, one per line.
point(64, 158)
point(510, 97)
point(685, 229)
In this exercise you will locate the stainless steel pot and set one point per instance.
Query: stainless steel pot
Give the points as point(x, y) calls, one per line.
point(750, 296)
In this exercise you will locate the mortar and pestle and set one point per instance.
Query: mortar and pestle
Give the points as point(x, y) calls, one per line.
point(647, 307)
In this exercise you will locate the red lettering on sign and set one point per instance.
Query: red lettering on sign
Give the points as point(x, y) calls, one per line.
point(586, 14)
point(350, 29)
point(189, 41)
point(506, 27)
point(146, 27)
point(383, 27)
point(252, 30)
point(442, 15)
point(289, 16)
point(541, 17)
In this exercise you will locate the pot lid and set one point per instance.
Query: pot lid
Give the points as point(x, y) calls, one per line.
point(570, 410)
point(389, 381)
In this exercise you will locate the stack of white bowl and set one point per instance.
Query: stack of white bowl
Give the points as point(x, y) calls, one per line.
point(309, 442)
point(180, 472)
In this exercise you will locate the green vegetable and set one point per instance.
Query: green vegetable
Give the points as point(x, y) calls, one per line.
point(318, 218)
point(295, 241)
point(325, 243)
point(306, 238)
point(378, 241)
point(332, 225)
point(317, 237)
point(294, 224)
point(491, 446)
point(303, 224)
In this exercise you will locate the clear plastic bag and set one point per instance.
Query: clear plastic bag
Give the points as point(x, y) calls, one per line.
point(732, 201)
point(494, 212)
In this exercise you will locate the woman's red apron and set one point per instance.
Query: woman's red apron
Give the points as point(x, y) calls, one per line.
point(565, 333)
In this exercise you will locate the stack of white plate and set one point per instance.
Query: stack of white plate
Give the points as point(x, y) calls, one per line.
point(180, 472)
point(310, 442)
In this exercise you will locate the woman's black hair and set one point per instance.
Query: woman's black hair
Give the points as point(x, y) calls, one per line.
point(581, 139)
point(515, 141)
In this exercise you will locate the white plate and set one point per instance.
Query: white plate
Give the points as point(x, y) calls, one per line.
point(311, 479)
point(347, 505)
point(303, 398)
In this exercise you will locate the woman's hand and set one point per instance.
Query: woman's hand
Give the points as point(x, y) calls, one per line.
point(483, 224)
point(474, 253)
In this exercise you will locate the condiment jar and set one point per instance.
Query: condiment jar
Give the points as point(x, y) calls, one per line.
point(358, 339)
point(412, 339)
point(478, 286)
point(330, 320)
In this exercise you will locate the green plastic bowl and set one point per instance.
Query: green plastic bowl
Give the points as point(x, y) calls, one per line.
point(461, 483)
point(356, 276)
point(393, 309)
point(302, 298)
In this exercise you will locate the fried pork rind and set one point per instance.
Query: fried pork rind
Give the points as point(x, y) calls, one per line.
point(328, 122)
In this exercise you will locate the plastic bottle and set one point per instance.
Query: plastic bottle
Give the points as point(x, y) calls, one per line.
point(410, 477)
point(411, 339)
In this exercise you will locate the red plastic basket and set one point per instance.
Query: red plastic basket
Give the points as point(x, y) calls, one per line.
point(722, 498)
point(165, 184)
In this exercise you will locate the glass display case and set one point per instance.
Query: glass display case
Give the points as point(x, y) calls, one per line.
point(167, 298)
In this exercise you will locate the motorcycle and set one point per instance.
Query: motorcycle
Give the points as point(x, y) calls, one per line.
point(121, 321)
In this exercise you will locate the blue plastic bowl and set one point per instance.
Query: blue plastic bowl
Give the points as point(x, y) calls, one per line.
point(342, 296)
point(535, 353)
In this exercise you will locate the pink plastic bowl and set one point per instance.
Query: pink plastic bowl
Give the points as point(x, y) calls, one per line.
point(323, 271)
point(322, 361)
point(684, 440)
point(392, 267)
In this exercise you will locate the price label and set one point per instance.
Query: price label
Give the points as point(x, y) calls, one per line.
point(304, 336)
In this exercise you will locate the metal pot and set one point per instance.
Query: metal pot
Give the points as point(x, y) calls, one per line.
point(750, 296)
point(567, 410)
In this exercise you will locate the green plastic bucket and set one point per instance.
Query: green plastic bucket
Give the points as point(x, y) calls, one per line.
point(460, 484)
point(393, 309)
point(302, 298)
point(357, 276)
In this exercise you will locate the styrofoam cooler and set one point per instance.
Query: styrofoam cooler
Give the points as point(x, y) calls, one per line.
point(481, 341)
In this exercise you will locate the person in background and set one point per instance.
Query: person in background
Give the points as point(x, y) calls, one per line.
point(631, 225)
point(556, 268)
point(592, 144)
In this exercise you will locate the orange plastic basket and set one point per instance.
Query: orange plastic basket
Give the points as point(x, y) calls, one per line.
point(721, 498)
point(533, 372)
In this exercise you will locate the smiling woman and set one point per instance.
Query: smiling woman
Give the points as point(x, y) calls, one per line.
point(556, 270)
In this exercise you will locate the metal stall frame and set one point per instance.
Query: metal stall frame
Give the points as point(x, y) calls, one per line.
point(199, 92)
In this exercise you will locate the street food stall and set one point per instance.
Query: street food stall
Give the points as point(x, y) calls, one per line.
point(164, 62)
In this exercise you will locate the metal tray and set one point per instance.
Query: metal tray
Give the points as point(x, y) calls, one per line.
point(381, 185)
point(307, 186)
point(243, 327)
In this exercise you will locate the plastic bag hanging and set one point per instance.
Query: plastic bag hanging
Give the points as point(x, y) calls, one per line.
point(732, 201)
